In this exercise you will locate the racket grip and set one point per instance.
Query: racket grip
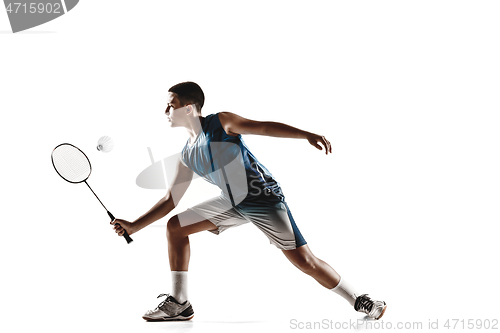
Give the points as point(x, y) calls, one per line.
point(126, 235)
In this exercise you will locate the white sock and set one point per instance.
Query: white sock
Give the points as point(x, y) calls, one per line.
point(345, 290)
point(179, 285)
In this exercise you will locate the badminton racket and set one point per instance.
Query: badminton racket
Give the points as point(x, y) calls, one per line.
point(74, 167)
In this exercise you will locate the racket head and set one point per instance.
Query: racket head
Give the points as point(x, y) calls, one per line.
point(71, 163)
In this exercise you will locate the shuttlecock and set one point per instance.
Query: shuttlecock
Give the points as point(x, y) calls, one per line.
point(105, 144)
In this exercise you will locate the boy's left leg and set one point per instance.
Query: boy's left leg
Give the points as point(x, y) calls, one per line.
point(275, 220)
point(307, 262)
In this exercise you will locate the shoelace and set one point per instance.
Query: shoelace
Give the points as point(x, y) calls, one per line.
point(164, 301)
point(363, 303)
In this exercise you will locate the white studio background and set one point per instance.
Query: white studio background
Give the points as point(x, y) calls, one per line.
point(406, 207)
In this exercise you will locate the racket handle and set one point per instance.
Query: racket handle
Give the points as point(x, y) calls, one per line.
point(127, 237)
point(125, 234)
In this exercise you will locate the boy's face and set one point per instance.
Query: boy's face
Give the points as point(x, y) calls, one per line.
point(175, 112)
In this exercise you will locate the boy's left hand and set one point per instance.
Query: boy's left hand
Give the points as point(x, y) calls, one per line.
point(314, 139)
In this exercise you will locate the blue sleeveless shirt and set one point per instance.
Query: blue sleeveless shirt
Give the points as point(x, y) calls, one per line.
point(225, 161)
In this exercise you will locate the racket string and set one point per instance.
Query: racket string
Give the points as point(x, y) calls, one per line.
point(71, 163)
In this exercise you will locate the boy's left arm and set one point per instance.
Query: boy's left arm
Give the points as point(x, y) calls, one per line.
point(234, 125)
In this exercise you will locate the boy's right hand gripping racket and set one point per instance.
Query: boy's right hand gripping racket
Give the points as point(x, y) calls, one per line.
point(74, 166)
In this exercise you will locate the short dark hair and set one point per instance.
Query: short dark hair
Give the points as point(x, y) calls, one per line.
point(189, 93)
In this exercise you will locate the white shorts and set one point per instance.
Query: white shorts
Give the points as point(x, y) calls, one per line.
point(272, 217)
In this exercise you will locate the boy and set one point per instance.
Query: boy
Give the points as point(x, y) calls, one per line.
point(216, 152)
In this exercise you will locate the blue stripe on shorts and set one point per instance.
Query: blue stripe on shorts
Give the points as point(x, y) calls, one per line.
point(299, 239)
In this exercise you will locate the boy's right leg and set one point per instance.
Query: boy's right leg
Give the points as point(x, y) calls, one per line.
point(179, 227)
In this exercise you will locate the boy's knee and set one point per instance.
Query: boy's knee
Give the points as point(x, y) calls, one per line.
point(173, 226)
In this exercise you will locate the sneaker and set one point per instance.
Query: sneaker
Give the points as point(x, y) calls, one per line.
point(374, 309)
point(170, 309)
